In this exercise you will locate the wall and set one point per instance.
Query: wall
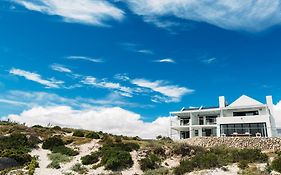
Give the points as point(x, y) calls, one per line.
point(265, 144)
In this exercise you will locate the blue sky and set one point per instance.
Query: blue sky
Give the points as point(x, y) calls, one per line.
point(146, 57)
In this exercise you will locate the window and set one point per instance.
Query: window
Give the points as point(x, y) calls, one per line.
point(210, 120)
point(196, 133)
point(184, 122)
point(250, 129)
point(201, 121)
point(246, 113)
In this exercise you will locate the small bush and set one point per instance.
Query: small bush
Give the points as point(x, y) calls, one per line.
point(251, 155)
point(65, 150)
point(159, 171)
point(58, 128)
point(151, 162)
point(19, 155)
point(57, 159)
point(52, 142)
point(90, 159)
point(276, 164)
point(92, 135)
point(32, 166)
point(78, 133)
point(117, 160)
point(218, 157)
point(243, 164)
point(79, 168)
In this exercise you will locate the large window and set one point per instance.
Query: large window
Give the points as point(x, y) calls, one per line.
point(184, 122)
point(246, 113)
point(210, 120)
point(245, 129)
point(184, 134)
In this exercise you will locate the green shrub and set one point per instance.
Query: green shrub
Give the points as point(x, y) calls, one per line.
point(206, 161)
point(78, 133)
point(64, 150)
point(159, 171)
point(33, 141)
point(92, 135)
point(57, 159)
point(218, 157)
point(79, 168)
point(151, 162)
point(185, 166)
point(90, 159)
point(32, 166)
point(243, 164)
point(117, 160)
point(276, 164)
point(52, 142)
point(18, 155)
point(37, 126)
point(251, 155)
point(159, 150)
point(58, 128)
point(181, 149)
point(15, 141)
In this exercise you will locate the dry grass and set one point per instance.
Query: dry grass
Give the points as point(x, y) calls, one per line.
point(77, 140)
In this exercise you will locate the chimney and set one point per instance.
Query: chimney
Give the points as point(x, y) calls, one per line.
point(221, 102)
point(269, 103)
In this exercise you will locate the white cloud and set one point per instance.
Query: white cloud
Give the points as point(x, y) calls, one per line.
point(173, 92)
point(60, 68)
point(247, 15)
point(93, 12)
point(166, 60)
point(209, 60)
point(95, 60)
point(113, 120)
point(50, 83)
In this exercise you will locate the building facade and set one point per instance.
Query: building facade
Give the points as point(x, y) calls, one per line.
point(244, 117)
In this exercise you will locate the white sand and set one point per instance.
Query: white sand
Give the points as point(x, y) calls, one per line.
point(232, 170)
point(136, 167)
point(44, 162)
point(171, 162)
point(84, 150)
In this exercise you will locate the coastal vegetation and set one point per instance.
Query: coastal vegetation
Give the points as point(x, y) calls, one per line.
point(116, 154)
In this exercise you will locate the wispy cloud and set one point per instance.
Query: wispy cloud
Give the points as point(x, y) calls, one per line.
point(13, 102)
point(247, 15)
point(60, 68)
point(94, 60)
point(133, 47)
point(173, 92)
point(145, 51)
point(165, 60)
point(48, 83)
point(124, 91)
point(209, 60)
point(76, 11)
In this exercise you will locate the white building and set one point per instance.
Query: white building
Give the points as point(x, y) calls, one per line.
point(244, 117)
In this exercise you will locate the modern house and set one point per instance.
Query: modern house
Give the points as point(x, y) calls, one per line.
point(244, 117)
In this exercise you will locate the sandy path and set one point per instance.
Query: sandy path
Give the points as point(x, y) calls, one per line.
point(43, 162)
point(136, 167)
point(232, 170)
point(84, 150)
